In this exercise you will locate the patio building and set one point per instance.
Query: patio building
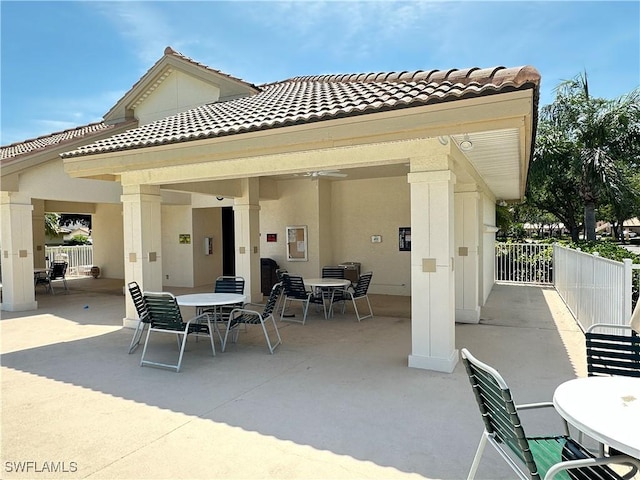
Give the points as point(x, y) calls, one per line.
point(192, 157)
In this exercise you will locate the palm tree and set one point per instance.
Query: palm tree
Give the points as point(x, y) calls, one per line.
point(602, 135)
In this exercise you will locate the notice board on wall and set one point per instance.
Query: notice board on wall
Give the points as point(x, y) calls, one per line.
point(297, 243)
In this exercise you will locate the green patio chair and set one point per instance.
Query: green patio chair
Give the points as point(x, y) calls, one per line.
point(358, 292)
point(245, 316)
point(545, 457)
point(143, 314)
point(225, 284)
point(612, 350)
point(165, 317)
point(296, 291)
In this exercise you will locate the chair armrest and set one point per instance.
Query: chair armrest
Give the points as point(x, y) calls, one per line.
point(529, 406)
point(533, 406)
point(244, 310)
point(586, 462)
point(254, 304)
point(197, 317)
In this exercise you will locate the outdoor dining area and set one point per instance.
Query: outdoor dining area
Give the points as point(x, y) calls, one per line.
point(335, 400)
point(224, 310)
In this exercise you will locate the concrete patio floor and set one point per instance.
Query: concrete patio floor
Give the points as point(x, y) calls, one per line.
point(336, 401)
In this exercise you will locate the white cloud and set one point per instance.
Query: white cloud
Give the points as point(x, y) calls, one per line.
point(142, 23)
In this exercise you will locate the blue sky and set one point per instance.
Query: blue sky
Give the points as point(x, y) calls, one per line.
point(65, 64)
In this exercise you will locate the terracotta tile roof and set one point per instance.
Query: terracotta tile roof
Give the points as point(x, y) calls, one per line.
point(303, 100)
point(9, 152)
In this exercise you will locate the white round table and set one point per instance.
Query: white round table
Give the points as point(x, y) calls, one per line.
point(605, 408)
point(327, 282)
point(210, 299)
point(331, 284)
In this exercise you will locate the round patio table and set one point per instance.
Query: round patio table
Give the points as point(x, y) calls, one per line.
point(605, 408)
point(202, 301)
point(331, 284)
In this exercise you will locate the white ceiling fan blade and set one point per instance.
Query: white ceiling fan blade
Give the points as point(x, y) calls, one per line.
point(314, 175)
point(331, 173)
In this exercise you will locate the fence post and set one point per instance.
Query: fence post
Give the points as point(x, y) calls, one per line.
point(628, 281)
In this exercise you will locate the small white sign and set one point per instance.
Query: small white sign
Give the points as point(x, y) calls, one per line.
point(376, 238)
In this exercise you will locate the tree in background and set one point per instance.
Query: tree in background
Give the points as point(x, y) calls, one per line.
point(551, 186)
point(584, 147)
point(51, 224)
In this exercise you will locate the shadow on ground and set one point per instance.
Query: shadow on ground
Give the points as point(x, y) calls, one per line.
point(337, 400)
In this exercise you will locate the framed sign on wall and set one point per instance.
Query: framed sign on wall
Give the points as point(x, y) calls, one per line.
point(297, 243)
point(404, 239)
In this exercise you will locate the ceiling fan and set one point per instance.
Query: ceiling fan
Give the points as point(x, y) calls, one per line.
point(323, 173)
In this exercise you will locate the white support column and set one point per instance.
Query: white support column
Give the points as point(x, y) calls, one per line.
point(432, 275)
point(39, 236)
point(246, 212)
point(16, 240)
point(141, 216)
point(467, 240)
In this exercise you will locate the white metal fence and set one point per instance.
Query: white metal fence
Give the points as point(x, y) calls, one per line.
point(524, 263)
point(78, 257)
point(595, 289)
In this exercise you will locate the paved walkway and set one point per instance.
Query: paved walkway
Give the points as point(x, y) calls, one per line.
point(336, 401)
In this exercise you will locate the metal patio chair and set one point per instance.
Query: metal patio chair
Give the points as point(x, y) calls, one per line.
point(355, 293)
point(295, 291)
point(165, 317)
point(57, 272)
point(220, 315)
point(245, 316)
point(612, 350)
point(143, 314)
point(554, 456)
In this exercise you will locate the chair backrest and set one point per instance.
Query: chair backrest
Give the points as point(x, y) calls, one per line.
point(612, 350)
point(138, 301)
point(163, 309)
point(273, 300)
point(498, 409)
point(294, 286)
point(279, 273)
point(332, 272)
point(362, 287)
point(58, 270)
point(229, 284)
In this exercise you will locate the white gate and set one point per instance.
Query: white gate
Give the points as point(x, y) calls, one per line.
point(524, 263)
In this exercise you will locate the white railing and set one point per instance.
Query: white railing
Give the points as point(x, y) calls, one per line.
point(595, 289)
point(524, 263)
point(78, 257)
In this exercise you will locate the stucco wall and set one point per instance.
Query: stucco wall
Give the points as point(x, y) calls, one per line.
point(207, 222)
point(358, 210)
point(297, 205)
point(177, 258)
point(49, 181)
point(362, 208)
point(177, 93)
point(108, 240)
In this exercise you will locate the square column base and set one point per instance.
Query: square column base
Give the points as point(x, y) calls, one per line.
point(446, 365)
point(18, 307)
point(129, 322)
point(468, 315)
